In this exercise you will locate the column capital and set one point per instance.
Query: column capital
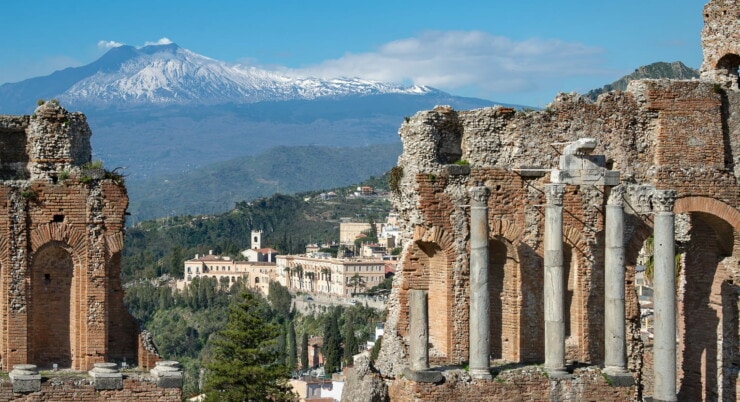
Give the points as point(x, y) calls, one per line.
point(478, 196)
point(554, 193)
point(616, 196)
point(663, 200)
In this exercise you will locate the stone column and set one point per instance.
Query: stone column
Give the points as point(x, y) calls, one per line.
point(664, 279)
point(615, 359)
point(554, 283)
point(418, 330)
point(479, 297)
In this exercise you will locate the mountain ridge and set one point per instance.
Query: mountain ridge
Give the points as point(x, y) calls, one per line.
point(168, 74)
point(675, 70)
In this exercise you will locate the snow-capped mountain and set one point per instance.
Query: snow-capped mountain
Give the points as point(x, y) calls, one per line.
point(168, 74)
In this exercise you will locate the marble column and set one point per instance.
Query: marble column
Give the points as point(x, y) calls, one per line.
point(615, 358)
point(418, 330)
point(664, 299)
point(554, 282)
point(480, 333)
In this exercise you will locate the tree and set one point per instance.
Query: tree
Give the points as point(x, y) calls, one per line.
point(280, 299)
point(356, 281)
point(327, 276)
point(304, 351)
point(351, 345)
point(244, 366)
point(332, 348)
point(291, 347)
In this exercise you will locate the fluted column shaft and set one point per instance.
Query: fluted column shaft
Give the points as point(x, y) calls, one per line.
point(554, 282)
point(479, 358)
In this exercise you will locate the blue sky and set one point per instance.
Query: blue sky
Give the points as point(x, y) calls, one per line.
point(509, 51)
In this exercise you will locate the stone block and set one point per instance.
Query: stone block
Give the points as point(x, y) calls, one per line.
point(25, 378)
point(423, 376)
point(167, 374)
point(106, 376)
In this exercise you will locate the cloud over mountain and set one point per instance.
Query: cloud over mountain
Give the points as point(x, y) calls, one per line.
point(458, 59)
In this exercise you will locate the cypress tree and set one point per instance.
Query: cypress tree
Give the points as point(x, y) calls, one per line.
point(304, 351)
point(332, 348)
point(292, 348)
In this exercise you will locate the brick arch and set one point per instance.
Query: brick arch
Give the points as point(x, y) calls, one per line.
point(428, 266)
point(49, 244)
point(59, 232)
point(505, 290)
point(710, 206)
point(114, 243)
point(506, 229)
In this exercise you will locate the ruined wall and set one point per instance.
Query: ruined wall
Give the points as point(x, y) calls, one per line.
point(720, 40)
point(680, 135)
point(61, 234)
point(80, 388)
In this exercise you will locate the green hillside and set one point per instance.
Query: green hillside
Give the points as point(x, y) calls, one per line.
point(218, 187)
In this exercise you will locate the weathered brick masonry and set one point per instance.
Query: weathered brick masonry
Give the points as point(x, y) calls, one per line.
point(61, 236)
point(679, 135)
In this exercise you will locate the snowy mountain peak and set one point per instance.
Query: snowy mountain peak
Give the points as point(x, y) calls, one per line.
point(169, 74)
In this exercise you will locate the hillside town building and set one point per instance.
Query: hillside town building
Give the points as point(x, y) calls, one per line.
point(524, 251)
point(319, 273)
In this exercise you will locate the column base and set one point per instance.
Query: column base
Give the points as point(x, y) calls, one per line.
point(618, 376)
point(481, 374)
point(557, 372)
point(430, 376)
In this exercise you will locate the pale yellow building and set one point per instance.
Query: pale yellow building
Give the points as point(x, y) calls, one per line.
point(319, 273)
point(257, 275)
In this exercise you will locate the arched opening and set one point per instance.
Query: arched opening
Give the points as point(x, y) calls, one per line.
point(503, 269)
point(438, 302)
point(429, 270)
point(53, 313)
point(708, 307)
point(728, 64)
point(571, 304)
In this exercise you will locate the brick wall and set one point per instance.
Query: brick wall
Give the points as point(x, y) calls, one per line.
point(529, 384)
point(77, 388)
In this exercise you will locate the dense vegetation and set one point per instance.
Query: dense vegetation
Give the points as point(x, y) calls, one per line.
point(186, 324)
point(288, 223)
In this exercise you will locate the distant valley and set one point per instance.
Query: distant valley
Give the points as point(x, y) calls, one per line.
point(195, 135)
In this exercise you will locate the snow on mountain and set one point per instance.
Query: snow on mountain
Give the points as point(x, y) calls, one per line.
point(169, 74)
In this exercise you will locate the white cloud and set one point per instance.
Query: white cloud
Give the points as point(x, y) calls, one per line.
point(453, 60)
point(161, 41)
point(108, 44)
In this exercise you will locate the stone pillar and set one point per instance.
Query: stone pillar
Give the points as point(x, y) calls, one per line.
point(419, 340)
point(106, 376)
point(480, 333)
point(615, 359)
point(25, 378)
point(554, 283)
point(167, 374)
point(664, 299)
point(418, 330)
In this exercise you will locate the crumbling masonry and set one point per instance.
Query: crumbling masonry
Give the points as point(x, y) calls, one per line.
point(558, 276)
point(61, 235)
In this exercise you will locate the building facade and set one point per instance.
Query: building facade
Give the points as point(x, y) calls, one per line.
point(323, 274)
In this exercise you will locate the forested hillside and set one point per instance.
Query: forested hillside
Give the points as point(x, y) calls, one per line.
point(159, 247)
point(218, 187)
